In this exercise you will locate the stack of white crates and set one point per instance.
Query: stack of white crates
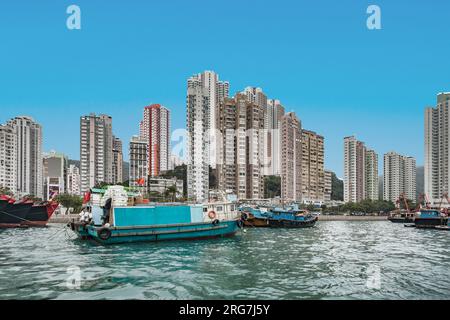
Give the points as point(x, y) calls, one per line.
point(118, 194)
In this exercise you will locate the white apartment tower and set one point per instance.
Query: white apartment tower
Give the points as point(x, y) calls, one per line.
point(8, 158)
point(28, 156)
point(399, 177)
point(272, 125)
point(96, 154)
point(291, 158)
point(437, 149)
point(216, 91)
point(198, 119)
point(354, 170)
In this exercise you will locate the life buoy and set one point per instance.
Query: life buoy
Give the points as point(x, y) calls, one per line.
point(104, 233)
point(212, 215)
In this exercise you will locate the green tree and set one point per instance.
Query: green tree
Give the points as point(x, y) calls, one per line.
point(70, 202)
point(337, 188)
point(6, 191)
point(272, 187)
point(171, 193)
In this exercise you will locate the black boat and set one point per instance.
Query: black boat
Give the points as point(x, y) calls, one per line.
point(402, 217)
point(14, 214)
point(38, 215)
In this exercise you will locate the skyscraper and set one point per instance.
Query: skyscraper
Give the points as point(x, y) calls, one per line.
point(291, 158)
point(241, 147)
point(216, 91)
point(28, 156)
point(117, 161)
point(399, 177)
point(198, 141)
point(371, 175)
point(437, 148)
point(155, 129)
point(8, 158)
point(96, 155)
point(313, 183)
point(272, 125)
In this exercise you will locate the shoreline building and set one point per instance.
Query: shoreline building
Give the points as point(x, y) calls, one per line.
point(55, 174)
point(28, 156)
point(155, 130)
point(360, 171)
point(117, 168)
point(437, 149)
point(291, 158)
point(73, 180)
point(8, 158)
point(96, 154)
point(328, 185)
point(399, 177)
point(313, 183)
point(240, 124)
point(138, 163)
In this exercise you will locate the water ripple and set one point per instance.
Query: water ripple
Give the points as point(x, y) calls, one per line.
point(331, 261)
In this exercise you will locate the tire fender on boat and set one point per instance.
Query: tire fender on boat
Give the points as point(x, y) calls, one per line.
point(240, 223)
point(104, 233)
point(215, 222)
point(244, 216)
point(212, 215)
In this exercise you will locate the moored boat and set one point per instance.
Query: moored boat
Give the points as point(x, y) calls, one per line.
point(401, 217)
point(158, 222)
point(291, 218)
point(430, 218)
point(15, 214)
point(254, 218)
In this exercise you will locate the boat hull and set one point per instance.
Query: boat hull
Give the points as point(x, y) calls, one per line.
point(430, 223)
point(282, 223)
point(157, 233)
point(401, 220)
point(14, 215)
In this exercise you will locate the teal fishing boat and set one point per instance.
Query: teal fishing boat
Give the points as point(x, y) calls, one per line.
point(430, 218)
point(110, 224)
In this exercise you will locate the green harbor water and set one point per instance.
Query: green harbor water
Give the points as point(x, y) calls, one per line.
point(334, 260)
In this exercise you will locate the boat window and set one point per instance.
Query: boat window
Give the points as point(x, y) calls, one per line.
point(219, 208)
point(205, 209)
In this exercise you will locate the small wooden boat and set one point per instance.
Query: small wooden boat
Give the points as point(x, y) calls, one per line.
point(254, 218)
point(401, 217)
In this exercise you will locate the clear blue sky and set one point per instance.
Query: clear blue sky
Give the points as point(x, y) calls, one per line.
point(317, 57)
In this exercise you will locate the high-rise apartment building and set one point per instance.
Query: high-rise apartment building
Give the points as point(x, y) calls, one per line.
point(437, 149)
point(216, 91)
point(291, 158)
point(371, 175)
point(240, 123)
point(360, 171)
point(272, 125)
point(28, 156)
point(96, 150)
point(328, 185)
point(399, 177)
point(117, 161)
point(155, 129)
point(138, 163)
point(198, 141)
point(138, 149)
point(312, 172)
point(8, 158)
point(55, 167)
point(73, 180)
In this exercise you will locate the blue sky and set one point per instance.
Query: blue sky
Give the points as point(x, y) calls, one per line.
point(317, 57)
